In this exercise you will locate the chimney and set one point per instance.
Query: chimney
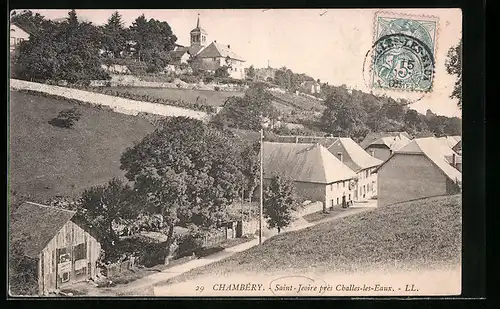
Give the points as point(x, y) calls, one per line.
point(339, 154)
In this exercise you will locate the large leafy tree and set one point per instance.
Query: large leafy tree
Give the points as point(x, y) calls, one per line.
point(248, 112)
point(114, 36)
point(33, 23)
point(343, 116)
point(153, 39)
point(104, 205)
point(454, 67)
point(186, 171)
point(64, 51)
point(279, 201)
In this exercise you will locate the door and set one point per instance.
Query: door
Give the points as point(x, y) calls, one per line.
point(343, 201)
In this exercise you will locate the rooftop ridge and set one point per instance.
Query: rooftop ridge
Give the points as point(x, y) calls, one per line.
point(53, 207)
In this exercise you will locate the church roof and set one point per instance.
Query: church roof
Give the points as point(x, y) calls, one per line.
point(198, 29)
point(218, 50)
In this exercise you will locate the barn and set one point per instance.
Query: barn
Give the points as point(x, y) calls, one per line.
point(64, 247)
point(423, 168)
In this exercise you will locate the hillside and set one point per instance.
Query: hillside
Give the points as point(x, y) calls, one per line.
point(424, 233)
point(47, 160)
point(205, 97)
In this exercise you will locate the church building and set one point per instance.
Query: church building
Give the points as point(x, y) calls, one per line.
point(211, 56)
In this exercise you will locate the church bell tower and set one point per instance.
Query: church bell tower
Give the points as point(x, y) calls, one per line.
point(198, 35)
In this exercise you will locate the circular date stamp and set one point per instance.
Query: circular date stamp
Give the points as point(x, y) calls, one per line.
point(403, 62)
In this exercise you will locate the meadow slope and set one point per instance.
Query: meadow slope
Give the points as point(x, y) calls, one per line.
point(47, 160)
point(422, 234)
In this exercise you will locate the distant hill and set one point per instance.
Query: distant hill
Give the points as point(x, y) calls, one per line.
point(415, 235)
point(47, 160)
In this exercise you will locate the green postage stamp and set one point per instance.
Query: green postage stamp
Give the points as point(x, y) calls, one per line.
point(404, 49)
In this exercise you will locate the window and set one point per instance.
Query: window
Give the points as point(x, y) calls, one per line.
point(337, 200)
point(338, 185)
point(349, 197)
point(235, 69)
point(80, 251)
point(332, 203)
point(343, 183)
point(214, 59)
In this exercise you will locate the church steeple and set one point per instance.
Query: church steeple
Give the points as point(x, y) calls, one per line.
point(198, 35)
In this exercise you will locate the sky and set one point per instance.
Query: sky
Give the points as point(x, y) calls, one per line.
point(329, 44)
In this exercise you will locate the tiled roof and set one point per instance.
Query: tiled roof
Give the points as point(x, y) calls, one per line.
point(304, 162)
point(439, 153)
point(390, 139)
point(39, 223)
point(218, 50)
point(179, 52)
point(352, 154)
point(450, 141)
point(355, 157)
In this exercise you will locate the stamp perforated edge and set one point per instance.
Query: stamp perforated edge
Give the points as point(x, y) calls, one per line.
point(436, 45)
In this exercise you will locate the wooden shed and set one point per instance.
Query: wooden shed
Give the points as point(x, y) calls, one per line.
point(65, 248)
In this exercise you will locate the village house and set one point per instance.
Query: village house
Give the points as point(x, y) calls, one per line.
point(358, 160)
point(352, 155)
point(17, 35)
point(450, 141)
point(423, 168)
point(310, 86)
point(63, 246)
point(381, 145)
point(209, 57)
point(317, 174)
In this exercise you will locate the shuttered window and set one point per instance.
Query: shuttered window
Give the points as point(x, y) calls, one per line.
point(80, 251)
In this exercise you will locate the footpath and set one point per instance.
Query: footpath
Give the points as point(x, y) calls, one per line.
point(151, 280)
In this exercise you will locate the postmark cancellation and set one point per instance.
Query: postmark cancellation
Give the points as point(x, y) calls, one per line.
point(403, 53)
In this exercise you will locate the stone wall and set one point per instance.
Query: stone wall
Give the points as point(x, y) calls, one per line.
point(119, 105)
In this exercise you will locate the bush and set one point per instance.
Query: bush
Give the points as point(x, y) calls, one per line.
point(190, 79)
point(66, 118)
point(208, 79)
point(189, 244)
point(22, 269)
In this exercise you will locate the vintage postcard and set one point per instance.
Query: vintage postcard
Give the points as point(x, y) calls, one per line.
point(238, 152)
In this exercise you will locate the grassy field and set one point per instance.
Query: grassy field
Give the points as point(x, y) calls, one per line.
point(208, 97)
point(424, 233)
point(47, 160)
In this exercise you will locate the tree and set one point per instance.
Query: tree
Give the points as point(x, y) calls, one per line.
point(153, 40)
point(22, 269)
point(222, 72)
point(114, 36)
point(65, 51)
point(414, 122)
point(454, 67)
point(248, 112)
point(279, 200)
point(33, 23)
point(66, 118)
point(186, 171)
point(251, 72)
point(101, 206)
point(343, 116)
